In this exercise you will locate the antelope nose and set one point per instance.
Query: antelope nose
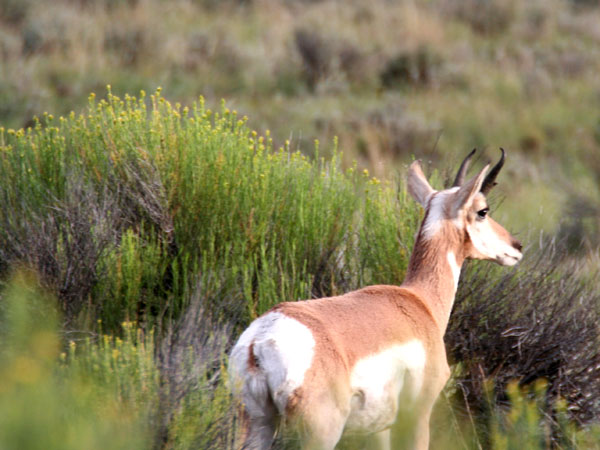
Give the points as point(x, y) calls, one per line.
point(517, 244)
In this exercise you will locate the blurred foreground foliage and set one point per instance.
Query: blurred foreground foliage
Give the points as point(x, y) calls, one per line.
point(57, 398)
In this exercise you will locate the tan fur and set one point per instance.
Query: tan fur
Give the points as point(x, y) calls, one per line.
point(332, 321)
point(505, 235)
point(430, 277)
point(389, 315)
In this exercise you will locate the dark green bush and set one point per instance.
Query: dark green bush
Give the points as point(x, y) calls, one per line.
point(122, 209)
point(538, 321)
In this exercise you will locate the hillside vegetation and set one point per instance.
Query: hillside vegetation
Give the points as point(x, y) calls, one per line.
point(390, 78)
point(162, 230)
point(139, 236)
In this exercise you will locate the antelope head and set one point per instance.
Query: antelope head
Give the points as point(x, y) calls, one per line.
point(462, 211)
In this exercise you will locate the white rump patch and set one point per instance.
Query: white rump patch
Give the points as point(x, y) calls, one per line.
point(284, 350)
point(378, 380)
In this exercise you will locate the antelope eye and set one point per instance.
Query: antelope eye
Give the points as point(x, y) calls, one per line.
point(482, 213)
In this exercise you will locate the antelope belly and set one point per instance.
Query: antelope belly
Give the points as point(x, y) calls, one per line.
point(379, 380)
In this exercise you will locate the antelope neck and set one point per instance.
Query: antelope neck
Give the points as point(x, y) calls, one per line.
point(433, 271)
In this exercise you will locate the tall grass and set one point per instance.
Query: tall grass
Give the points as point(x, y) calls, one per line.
point(93, 390)
point(124, 207)
point(100, 390)
point(162, 230)
point(535, 325)
point(50, 398)
point(388, 78)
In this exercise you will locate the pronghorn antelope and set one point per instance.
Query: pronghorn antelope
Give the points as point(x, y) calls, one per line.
point(348, 363)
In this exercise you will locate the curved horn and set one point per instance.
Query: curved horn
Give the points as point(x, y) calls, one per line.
point(462, 170)
point(490, 180)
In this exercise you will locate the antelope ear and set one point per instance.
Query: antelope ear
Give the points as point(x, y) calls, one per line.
point(418, 186)
point(467, 192)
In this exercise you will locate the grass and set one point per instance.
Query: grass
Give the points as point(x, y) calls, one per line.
point(159, 229)
point(174, 193)
point(162, 230)
point(433, 77)
point(65, 399)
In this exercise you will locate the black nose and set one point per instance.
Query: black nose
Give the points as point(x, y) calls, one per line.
point(517, 244)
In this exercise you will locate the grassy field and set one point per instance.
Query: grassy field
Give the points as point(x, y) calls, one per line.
point(161, 231)
point(139, 235)
point(390, 79)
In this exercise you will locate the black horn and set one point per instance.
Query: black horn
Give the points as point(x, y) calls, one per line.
point(490, 180)
point(462, 170)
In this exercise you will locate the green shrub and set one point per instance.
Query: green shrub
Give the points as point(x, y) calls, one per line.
point(99, 391)
point(536, 322)
point(124, 207)
point(51, 400)
point(170, 228)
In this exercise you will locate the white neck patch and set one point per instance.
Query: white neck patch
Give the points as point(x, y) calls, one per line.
point(454, 267)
